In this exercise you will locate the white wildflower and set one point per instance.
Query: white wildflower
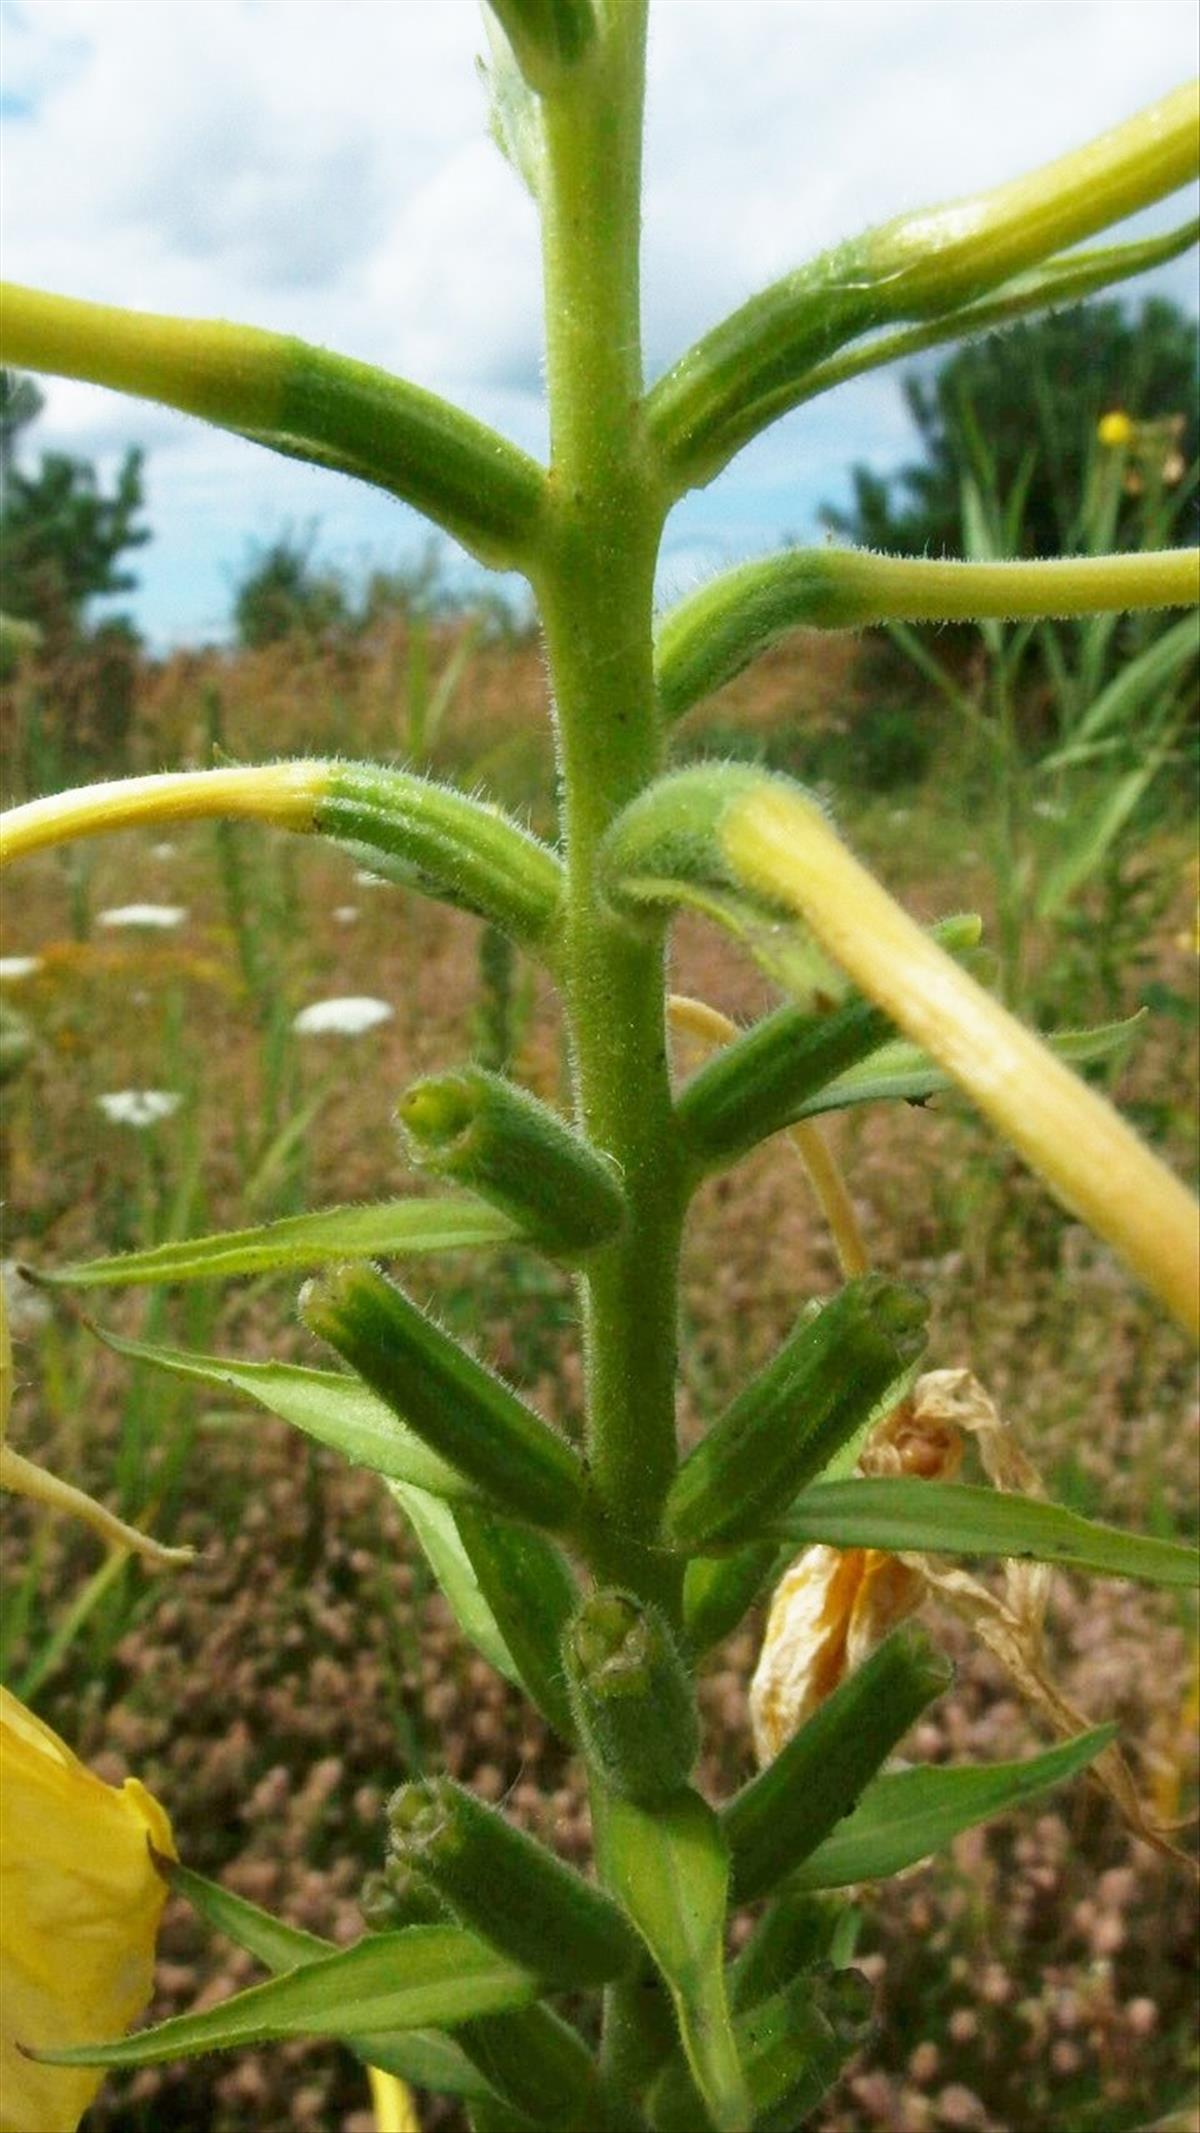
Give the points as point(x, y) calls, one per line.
point(15, 967)
point(347, 1017)
point(154, 918)
point(139, 1107)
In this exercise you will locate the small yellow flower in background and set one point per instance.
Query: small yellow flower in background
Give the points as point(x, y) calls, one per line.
point(395, 2111)
point(1115, 429)
point(80, 1905)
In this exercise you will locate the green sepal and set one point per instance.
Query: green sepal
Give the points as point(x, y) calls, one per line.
point(426, 1975)
point(507, 1887)
point(537, 2064)
point(488, 1133)
point(953, 1518)
point(632, 1698)
point(828, 1380)
point(527, 1584)
point(781, 1816)
point(457, 1407)
point(792, 2048)
point(431, 837)
point(426, 2056)
point(906, 1815)
point(718, 1589)
point(669, 1870)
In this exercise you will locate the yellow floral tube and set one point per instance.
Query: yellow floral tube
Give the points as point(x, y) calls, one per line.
point(776, 842)
point(80, 1906)
point(282, 794)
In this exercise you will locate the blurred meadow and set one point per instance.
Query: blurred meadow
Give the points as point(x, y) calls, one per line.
point(162, 1079)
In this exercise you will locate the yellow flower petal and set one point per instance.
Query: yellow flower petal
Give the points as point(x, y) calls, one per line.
point(80, 1905)
point(395, 2111)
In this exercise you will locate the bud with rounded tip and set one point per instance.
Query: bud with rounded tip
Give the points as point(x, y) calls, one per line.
point(633, 1702)
point(506, 1886)
point(491, 1135)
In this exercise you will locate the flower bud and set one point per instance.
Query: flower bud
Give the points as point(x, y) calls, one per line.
point(837, 1370)
point(634, 1706)
point(507, 1887)
point(460, 1409)
point(491, 1135)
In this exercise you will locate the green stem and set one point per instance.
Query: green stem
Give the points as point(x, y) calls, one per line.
point(595, 585)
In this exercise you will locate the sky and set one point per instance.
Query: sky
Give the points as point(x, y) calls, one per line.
point(326, 171)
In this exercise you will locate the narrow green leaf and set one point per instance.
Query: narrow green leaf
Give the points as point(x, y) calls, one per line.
point(907, 1814)
point(670, 1872)
point(427, 1975)
point(299, 1241)
point(427, 2057)
point(436, 1528)
point(338, 1411)
point(951, 1518)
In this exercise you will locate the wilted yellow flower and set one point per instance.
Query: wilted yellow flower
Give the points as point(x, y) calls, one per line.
point(80, 1904)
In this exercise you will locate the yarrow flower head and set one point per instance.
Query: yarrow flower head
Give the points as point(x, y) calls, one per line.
point(153, 918)
point(348, 1017)
point(139, 1107)
point(80, 1905)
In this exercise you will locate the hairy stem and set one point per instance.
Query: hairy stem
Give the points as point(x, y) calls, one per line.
point(596, 590)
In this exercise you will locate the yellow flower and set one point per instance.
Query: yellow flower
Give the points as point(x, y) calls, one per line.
point(1115, 429)
point(80, 1904)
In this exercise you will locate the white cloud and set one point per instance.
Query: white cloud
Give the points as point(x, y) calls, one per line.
point(325, 172)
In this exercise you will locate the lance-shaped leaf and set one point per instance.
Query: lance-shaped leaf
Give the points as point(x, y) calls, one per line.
point(670, 1872)
point(426, 2056)
point(781, 1816)
point(431, 837)
point(953, 1518)
point(1065, 279)
point(427, 1975)
point(464, 1412)
point(753, 367)
point(435, 1523)
point(715, 633)
point(766, 837)
point(297, 1243)
point(907, 1814)
point(792, 2047)
point(483, 1130)
point(333, 1409)
point(296, 399)
point(823, 1388)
